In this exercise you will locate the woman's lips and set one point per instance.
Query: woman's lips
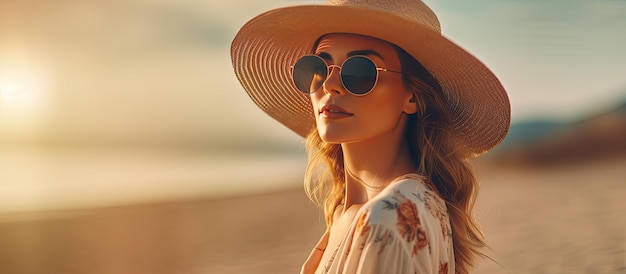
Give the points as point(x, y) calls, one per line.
point(334, 112)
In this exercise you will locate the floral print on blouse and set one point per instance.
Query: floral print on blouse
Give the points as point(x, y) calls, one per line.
point(405, 229)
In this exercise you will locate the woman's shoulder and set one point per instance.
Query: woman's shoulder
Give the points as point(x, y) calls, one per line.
point(408, 218)
point(408, 197)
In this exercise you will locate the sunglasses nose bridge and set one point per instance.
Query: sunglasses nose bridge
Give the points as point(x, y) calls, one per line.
point(333, 84)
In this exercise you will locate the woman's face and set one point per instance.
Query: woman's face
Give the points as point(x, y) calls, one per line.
point(342, 117)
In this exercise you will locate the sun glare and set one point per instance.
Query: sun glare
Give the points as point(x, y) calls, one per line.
point(21, 98)
point(14, 91)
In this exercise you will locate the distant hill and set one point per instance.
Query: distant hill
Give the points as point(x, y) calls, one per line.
point(597, 137)
point(530, 131)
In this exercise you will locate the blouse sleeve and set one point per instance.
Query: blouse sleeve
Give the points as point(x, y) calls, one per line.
point(397, 237)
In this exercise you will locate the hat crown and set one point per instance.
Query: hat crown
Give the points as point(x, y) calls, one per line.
point(413, 10)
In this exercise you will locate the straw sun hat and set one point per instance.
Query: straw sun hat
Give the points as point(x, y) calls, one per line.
point(266, 46)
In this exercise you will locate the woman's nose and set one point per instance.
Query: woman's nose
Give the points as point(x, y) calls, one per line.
point(333, 84)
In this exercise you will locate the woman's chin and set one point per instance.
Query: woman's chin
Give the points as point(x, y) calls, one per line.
point(334, 137)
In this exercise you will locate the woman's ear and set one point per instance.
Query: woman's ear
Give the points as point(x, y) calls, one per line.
point(410, 106)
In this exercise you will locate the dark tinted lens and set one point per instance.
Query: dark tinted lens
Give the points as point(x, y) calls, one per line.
point(358, 75)
point(309, 73)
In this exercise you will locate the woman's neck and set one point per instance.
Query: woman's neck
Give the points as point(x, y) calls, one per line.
point(371, 165)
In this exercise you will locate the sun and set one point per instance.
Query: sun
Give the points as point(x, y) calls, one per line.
point(21, 99)
point(18, 91)
point(14, 90)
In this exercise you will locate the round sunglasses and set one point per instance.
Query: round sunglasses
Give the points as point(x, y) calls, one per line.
point(359, 74)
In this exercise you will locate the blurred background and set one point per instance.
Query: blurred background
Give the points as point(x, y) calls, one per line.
point(128, 146)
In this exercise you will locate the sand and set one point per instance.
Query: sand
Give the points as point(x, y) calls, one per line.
point(567, 219)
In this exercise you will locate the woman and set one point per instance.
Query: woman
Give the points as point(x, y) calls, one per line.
point(391, 111)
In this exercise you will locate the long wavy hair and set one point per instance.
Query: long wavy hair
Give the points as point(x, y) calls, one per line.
point(434, 154)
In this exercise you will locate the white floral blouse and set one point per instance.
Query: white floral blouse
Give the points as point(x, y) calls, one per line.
point(405, 229)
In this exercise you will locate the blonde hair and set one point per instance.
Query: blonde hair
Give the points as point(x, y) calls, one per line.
point(434, 154)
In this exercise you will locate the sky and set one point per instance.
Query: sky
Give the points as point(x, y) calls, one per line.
point(559, 59)
point(158, 72)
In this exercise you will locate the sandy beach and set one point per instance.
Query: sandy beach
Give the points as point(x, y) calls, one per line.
point(567, 219)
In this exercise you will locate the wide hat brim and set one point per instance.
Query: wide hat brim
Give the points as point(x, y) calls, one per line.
point(267, 45)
